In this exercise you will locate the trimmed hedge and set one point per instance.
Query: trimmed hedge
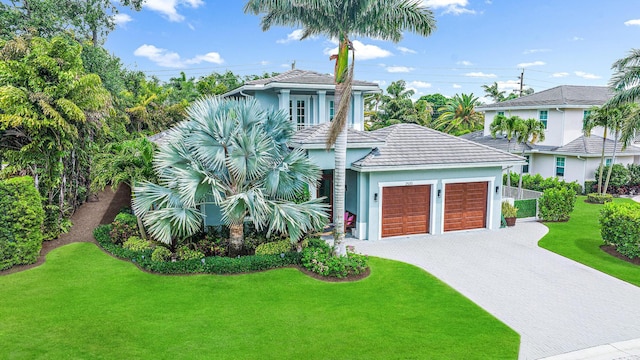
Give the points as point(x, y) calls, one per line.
point(526, 208)
point(210, 265)
point(620, 227)
point(596, 198)
point(21, 222)
point(275, 247)
point(556, 204)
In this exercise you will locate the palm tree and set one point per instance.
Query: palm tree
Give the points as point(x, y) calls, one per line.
point(626, 79)
point(510, 128)
point(624, 117)
point(340, 19)
point(530, 131)
point(598, 117)
point(459, 115)
point(233, 154)
point(493, 92)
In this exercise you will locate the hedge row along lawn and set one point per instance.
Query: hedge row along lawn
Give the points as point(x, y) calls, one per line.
point(579, 239)
point(82, 303)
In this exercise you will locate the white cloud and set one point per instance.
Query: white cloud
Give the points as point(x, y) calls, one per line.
point(464, 63)
point(292, 36)
point(405, 50)
point(535, 51)
point(190, 25)
point(560, 74)
point(585, 75)
point(363, 51)
point(456, 86)
point(535, 63)
point(455, 7)
point(122, 19)
point(480, 74)
point(399, 69)
point(264, 62)
point(576, 38)
point(381, 83)
point(633, 22)
point(169, 7)
point(419, 84)
point(508, 85)
point(166, 58)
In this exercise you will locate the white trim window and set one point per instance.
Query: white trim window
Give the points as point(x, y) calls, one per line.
point(331, 112)
point(543, 116)
point(298, 111)
point(525, 168)
point(560, 164)
point(608, 161)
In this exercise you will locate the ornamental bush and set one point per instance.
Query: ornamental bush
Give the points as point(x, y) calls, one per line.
point(596, 198)
point(556, 204)
point(124, 226)
point(21, 222)
point(161, 254)
point(318, 258)
point(620, 227)
point(275, 247)
point(620, 175)
point(184, 253)
point(135, 243)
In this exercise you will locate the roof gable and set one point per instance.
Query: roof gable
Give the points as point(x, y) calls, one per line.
point(564, 95)
point(298, 76)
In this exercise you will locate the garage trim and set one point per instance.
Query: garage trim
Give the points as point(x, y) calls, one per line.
point(432, 204)
point(490, 195)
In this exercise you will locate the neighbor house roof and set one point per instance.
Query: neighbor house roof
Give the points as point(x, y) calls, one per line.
point(500, 142)
point(410, 146)
point(560, 96)
point(592, 145)
point(300, 79)
point(315, 137)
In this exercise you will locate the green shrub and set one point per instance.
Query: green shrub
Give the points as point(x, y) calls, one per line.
point(136, 244)
point(596, 198)
point(620, 175)
point(556, 204)
point(160, 254)
point(526, 208)
point(508, 210)
point(21, 222)
point(634, 174)
point(185, 253)
point(125, 225)
point(320, 260)
point(620, 227)
point(276, 247)
point(103, 237)
point(590, 186)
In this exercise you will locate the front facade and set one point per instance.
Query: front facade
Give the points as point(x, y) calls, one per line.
point(565, 153)
point(403, 180)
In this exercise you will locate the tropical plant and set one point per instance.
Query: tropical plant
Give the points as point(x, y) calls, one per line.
point(597, 118)
point(436, 102)
point(509, 127)
point(233, 154)
point(398, 107)
point(530, 132)
point(494, 92)
point(459, 115)
point(626, 79)
point(341, 20)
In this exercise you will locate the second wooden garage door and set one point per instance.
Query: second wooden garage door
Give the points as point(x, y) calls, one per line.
point(405, 210)
point(465, 206)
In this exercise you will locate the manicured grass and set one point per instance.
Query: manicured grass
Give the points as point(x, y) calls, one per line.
point(579, 239)
point(84, 304)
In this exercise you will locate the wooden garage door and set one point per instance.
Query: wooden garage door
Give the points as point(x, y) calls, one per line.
point(465, 206)
point(405, 210)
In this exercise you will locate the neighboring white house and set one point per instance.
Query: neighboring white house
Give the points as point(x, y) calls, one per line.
point(401, 180)
point(565, 152)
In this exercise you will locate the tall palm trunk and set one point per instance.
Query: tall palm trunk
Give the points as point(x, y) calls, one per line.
point(236, 239)
point(339, 178)
point(613, 160)
point(601, 169)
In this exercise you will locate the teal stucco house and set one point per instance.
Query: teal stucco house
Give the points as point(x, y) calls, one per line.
point(403, 180)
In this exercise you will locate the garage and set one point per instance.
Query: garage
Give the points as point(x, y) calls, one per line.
point(405, 210)
point(465, 206)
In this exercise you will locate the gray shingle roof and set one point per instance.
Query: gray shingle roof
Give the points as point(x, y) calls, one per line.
point(500, 142)
point(304, 77)
point(315, 136)
point(592, 145)
point(410, 145)
point(558, 96)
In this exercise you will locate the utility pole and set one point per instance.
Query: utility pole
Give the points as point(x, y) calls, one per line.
point(521, 82)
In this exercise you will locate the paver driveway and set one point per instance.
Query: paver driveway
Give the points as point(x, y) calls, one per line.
point(555, 304)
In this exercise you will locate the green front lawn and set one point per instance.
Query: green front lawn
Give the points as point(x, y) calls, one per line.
point(579, 239)
point(83, 303)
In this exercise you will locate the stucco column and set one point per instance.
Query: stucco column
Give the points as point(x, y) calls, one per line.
point(284, 98)
point(358, 111)
point(322, 107)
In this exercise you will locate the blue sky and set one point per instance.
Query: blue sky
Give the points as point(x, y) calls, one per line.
point(476, 42)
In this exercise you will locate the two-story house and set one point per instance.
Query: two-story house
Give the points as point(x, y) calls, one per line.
point(401, 180)
point(565, 152)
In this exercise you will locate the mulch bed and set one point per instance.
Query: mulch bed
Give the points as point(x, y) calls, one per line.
point(611, 250)
point(349, 278)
